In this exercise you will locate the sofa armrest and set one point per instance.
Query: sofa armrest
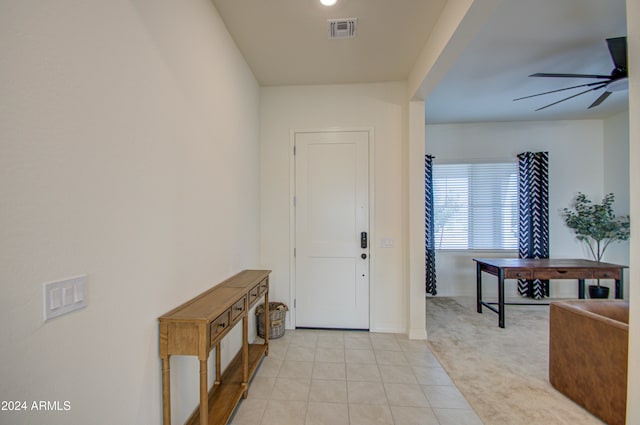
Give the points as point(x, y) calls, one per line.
point(588, 356)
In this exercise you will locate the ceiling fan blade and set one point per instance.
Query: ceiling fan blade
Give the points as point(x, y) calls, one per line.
point(618, 51)
point(555, 91)
point(599, 100)
point(544, 74)
point(571, 97)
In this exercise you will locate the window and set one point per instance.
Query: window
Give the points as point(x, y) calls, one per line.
point(476, 205)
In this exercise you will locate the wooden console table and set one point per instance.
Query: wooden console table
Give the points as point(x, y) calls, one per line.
point(198, 326)
point(543, 268)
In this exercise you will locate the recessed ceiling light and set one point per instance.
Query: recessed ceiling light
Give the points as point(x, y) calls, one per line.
point(328, 2)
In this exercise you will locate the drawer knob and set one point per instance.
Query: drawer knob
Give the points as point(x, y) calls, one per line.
point(222, 325)
point(607, 275)
point(239, 308)
point(519, 274)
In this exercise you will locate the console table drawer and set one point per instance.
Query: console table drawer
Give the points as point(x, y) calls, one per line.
point(253, 295)
point(563, 274)
point(237, 309)
point(606, 274)
point(518, 274)
point(220, 325)
point(262, 287)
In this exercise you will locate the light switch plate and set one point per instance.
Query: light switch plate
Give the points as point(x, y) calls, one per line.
point(64, 296)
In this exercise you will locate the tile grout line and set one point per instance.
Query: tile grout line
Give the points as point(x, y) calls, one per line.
point(375, 346)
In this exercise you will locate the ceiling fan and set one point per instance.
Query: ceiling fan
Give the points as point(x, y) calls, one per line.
point(617, 81)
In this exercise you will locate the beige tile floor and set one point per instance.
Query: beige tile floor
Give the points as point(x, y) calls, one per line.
point(316, 377)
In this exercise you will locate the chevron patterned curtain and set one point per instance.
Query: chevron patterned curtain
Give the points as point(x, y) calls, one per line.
point(430, 251)
point(533, 207)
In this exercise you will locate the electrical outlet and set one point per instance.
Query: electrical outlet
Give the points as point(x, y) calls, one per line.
point(64, 296)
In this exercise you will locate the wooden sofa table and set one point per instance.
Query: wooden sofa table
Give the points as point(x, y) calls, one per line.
point(543, 268)
point(197, 327)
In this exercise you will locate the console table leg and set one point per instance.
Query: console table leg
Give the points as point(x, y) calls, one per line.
point(218, 364)
point(204, 394)
point(267, 323)
point(581, 289)
point(166, 390)
point(245, 354)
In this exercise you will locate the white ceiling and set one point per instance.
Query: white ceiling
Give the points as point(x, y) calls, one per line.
point(285, 42)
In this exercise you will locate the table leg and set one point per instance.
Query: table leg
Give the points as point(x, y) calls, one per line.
point(581, 289)
point(479, 287)
point(501, 298)
point(218, 365)
point(204, 394)
point(267, 324)
point(245, 355)
point(166, 391)
point(619, 287)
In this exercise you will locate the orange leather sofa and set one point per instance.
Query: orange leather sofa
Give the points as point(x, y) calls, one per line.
point(588, 345)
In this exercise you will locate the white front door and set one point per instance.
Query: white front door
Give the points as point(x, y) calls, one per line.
point(332, 229)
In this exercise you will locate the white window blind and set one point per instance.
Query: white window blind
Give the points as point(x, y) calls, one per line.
point(476, 205)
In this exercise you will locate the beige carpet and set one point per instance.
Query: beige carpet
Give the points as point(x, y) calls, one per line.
point(501, 372)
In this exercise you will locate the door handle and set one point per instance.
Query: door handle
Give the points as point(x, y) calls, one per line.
point(363, 240)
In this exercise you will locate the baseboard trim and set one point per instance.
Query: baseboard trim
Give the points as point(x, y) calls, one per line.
point(387, 330)
point(417, 334)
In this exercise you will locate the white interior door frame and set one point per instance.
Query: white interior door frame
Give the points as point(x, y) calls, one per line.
point(292, 218)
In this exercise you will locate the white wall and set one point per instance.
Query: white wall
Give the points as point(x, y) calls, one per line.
point(129, 152)
point(414, 228)
point(616, 160)
point(633, 46)
point(382, 107)
point(616, 179)
point(575, 164)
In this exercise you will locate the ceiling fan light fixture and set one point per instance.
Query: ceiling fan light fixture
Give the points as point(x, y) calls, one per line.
point(328, 2)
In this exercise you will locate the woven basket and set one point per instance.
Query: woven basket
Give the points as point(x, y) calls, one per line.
point(277, 315)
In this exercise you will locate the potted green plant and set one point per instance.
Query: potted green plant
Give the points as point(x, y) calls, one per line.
point(597, 226)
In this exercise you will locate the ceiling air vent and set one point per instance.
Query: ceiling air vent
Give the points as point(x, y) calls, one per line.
point(342, 28)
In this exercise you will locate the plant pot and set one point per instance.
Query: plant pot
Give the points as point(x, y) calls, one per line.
point(596, 291)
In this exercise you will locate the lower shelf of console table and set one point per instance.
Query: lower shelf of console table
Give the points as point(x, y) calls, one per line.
point(224, 397)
